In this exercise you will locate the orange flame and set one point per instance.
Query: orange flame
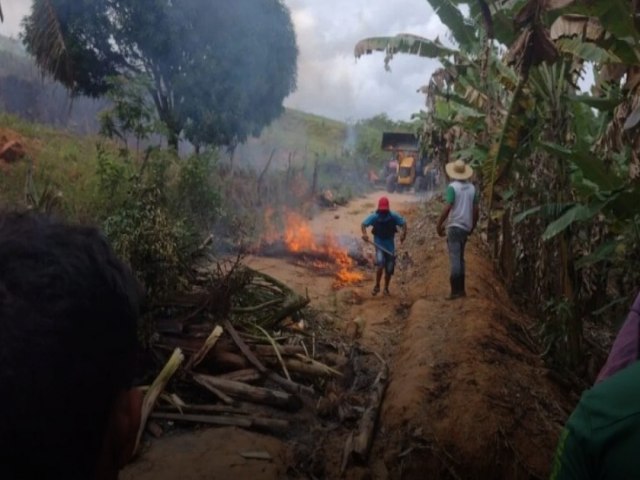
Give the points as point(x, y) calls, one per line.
point(298, 238)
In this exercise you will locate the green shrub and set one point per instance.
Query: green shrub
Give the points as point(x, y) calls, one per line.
point(142, 227)
point(196, 195)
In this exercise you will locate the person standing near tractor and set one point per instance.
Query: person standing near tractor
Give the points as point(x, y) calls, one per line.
point(461, 198)
point(385, 225)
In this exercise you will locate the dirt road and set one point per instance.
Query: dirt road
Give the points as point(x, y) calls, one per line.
point(468, 395)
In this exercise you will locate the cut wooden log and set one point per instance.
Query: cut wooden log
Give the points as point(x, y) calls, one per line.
point(204, 350)
point(221, 361)
point(155, 390)
point(271, 424)
point(202, 408)
point(215, 390)
point(330, 358)
point(312, 369)
point(362, 440)
point(250, 393)
point(267, 350)
point(288, 385)
point(246, 375)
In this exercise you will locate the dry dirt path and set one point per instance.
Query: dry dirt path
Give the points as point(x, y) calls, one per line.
point(468, 396)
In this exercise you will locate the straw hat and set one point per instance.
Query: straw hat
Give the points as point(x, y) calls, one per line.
point(458, 170)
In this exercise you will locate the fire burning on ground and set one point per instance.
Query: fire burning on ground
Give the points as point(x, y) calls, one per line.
point(325, 254)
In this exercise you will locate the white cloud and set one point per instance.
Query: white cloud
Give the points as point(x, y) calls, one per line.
point(14, 11)
point(332, 83)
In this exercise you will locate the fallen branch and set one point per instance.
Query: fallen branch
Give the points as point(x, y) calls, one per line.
point(362, 440)
point(246, 375)
point(221, 395)
point(303, 367)
point(226, 420)
point(277, 352)
point(208, 345)
point(201, 408)
point(155, 390)
point(250, 393)
point(267, 351)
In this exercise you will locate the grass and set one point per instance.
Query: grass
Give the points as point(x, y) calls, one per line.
point(61, 160)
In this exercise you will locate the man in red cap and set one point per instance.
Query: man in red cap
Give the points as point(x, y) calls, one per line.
point(385, 225)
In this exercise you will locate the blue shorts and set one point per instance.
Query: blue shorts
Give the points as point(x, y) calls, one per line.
point(385, 260)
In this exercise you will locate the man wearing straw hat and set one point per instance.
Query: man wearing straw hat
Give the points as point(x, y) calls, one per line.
point(461, 209)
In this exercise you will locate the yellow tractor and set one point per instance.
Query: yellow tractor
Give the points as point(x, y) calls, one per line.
point(407, 169)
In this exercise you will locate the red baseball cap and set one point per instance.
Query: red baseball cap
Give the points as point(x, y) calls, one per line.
point(383, 204)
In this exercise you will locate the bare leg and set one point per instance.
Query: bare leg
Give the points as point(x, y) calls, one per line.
point(378, 277)
point(376, 289)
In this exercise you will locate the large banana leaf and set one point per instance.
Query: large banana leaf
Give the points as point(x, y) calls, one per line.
point(577, 213)
point(402, 43)
point(604, 252)
point(567, 26)
point(592, 167)
point(616, 16)
point(464, 33)
point(504, 148)
point(587, 51)
point(605, 104)
point(474, 156)
point(548, 210)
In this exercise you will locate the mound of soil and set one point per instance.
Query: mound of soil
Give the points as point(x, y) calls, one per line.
point(469, 395)
point(12, 146)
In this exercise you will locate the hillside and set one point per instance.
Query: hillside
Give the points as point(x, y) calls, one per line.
point(297, 135)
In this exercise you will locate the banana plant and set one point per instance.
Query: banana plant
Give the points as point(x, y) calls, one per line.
point(403, 43)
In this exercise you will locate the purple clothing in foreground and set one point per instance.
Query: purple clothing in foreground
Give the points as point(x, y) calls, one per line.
point(626, 347)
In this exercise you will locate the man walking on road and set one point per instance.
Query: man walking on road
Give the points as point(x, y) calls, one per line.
point(461, 208)
point(385, 225)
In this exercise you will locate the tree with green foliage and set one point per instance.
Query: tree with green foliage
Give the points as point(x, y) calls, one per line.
point(217, 71)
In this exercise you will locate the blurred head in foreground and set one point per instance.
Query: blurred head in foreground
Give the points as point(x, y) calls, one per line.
point(68, 321)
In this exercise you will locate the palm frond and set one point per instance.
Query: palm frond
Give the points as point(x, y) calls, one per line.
point(45, 36)
point(506, 144)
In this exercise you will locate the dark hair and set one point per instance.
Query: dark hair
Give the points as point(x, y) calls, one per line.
point(68, 321)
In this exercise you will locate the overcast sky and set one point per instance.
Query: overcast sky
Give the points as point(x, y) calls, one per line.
point(330, 81)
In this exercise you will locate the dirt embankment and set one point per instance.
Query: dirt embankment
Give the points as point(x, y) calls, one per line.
point(468, 395)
